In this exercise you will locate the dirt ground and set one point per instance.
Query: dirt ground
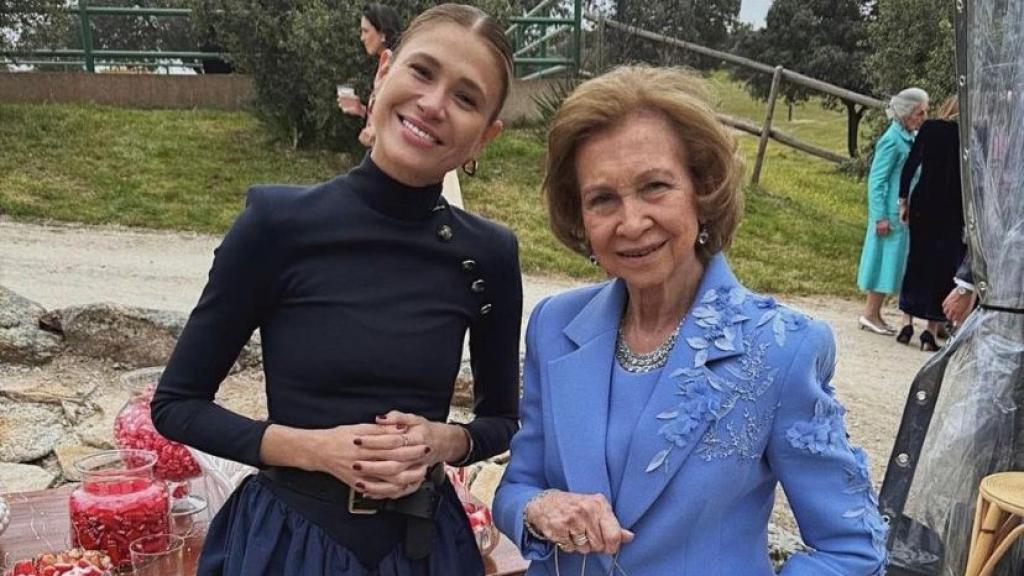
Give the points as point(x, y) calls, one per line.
point(60, 265)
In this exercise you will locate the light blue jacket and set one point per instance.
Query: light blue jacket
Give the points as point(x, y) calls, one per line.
point(743, 404)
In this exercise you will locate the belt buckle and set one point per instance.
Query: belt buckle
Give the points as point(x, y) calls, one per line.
point(359, 504)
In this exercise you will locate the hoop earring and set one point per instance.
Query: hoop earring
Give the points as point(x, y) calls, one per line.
point(703, 236)
point(470, 167)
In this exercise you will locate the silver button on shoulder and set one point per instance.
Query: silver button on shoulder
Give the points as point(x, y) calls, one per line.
point(486, 309)
point(477, 286)
point(444, 232)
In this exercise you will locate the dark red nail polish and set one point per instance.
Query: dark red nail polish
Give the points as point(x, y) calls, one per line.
point(400, 426)
point(426, 450)
point(357, 466)
point(358, 441)
point(360, 485)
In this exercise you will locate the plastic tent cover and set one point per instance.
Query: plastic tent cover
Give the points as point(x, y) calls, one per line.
point(976, 427)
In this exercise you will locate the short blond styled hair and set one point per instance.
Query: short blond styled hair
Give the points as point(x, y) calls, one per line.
point(604, 102)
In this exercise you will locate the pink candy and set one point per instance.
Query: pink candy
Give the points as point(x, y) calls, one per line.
point(133, 429)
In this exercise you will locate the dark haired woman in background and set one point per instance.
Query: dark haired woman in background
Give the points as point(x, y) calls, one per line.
point(380, 29)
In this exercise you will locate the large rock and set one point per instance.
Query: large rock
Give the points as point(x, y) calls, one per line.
point(97, 429)
point(28, 431)
point(29, 387)
point(22, 341)
point(134, 337)
point(67, 456)
point(24, 478)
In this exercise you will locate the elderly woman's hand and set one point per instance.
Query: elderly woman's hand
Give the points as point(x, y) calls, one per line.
point(882, 227)
point(582, 523)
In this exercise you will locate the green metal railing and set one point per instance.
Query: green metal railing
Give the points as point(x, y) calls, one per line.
point(89, 56)
point(531, 58)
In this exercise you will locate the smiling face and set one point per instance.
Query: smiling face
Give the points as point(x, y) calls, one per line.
point(434, 103)
point(638, 202)
point(372, 39)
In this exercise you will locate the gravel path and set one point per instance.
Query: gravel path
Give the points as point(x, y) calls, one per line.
point(61, 265)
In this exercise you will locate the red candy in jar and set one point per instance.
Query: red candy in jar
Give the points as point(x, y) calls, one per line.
point(118, 501)
point(134, 430)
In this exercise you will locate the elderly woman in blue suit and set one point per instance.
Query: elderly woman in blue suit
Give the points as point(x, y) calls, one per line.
point(883, 258)
point(661, 408)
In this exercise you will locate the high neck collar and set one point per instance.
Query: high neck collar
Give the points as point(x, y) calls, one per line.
point(390, 197)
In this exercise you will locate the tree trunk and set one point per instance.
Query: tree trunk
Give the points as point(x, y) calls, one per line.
point(853, 116)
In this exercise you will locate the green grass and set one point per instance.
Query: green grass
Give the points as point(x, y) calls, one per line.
point(172, 169)
point(188, 170)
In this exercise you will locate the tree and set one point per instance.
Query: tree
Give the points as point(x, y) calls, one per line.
point(23, 23)
point(705, 22)
point(824, 39)
point(914, 46)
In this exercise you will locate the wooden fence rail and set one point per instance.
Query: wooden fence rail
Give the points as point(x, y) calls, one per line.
point(779, 75)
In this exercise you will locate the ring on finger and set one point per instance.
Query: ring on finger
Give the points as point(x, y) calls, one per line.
point(579, 539)
point(405, 440)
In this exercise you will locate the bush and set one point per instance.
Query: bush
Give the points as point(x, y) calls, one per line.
point(550, 100)
point(297, 51)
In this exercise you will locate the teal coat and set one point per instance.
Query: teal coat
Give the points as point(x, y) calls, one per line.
point(884, 258)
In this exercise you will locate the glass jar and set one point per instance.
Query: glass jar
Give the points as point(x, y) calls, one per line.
point(117, 502)
point(134, 430)
point(484, 531)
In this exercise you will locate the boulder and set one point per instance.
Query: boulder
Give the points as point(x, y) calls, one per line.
point(135, 337)
point(22, 340)
point(28, 431)
point(24, 478)
point(66, 457)
point(132, 337)
point(97, 429)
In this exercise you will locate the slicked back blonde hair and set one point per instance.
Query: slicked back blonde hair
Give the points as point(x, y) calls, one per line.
point(476, 21)
point(605, 102)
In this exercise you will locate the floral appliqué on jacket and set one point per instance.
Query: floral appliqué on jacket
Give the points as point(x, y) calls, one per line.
point(708, 397)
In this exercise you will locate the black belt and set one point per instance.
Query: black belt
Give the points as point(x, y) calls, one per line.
point(420, 507)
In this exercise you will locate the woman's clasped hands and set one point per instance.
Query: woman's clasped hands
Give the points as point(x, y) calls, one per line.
point(583, 523)
point(385, 460)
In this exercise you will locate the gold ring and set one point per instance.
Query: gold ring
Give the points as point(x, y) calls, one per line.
point(405, 440)
point(579, 539)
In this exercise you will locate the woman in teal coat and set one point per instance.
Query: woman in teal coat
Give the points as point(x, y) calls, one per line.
point(884, 256)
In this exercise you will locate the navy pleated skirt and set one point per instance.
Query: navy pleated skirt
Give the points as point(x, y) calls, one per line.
point(256, 533)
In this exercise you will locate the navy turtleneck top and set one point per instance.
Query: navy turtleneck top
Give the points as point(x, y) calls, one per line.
point(363, 289)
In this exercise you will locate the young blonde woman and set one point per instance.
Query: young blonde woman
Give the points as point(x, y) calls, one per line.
point(363, 288)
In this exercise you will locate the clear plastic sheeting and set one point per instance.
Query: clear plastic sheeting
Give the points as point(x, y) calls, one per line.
point(977, 427)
